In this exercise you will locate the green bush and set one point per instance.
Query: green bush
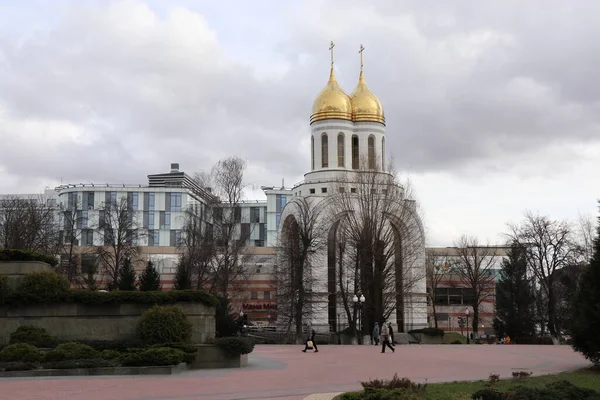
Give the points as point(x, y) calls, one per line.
point(71, 351)
point(429, 331)
point(120, 346)
point(235, 346)
point(382, 394)
point(190, 350)
point(561, 390)
point(44, 284)
point(71, 364)
point(101, 298)
point(20, 352)
point(164, 324)
point(456, 342)
point(33, 335)
point(22, 255)
point(17, 366)
point(153, 357)
point(394, 383)
point(109, 354)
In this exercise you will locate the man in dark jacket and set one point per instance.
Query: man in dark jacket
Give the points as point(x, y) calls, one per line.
point(312, 339)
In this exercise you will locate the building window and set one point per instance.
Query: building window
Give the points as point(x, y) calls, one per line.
point(153, 237)
point(84, 219)
point(371, 143)
point(72, 201)
point(342, 189)
point(277, 219)
point(340, 149)
point(324, 151)
point(254, 295)
point(150, 219)
point(383, 154)
point(323, 190)
point(88, 201)
point(175, 202)
point(312, 152)
point(355, 154)
point(259, 243)
point(110, 198)
point(255, 214)
point(312, 191)
point(151, 201)
point(165, 220)
point(258, 269)
point(87, 237)
point(352, 190)
point(133, 200)
point(267, 295)
point(175, 238)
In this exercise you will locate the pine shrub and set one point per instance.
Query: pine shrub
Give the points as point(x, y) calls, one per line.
point(71, 351)
point(20, 352)
point(164, 324)
point(33, 335)
point(127, 277)
point(150, 279)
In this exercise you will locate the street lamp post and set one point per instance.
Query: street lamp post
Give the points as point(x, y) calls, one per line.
point(467, 313)
point(358, 303)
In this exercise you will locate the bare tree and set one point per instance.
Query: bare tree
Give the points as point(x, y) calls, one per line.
point(29, 224)
point(197, 247)
point(585, 234)
point(118, 225)
point(378, 242)
point(550, 246)
point(437, 271)
point(474, 264)
point(302, 237)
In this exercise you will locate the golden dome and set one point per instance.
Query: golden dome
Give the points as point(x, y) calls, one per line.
point(365, 105)
point(331, 103)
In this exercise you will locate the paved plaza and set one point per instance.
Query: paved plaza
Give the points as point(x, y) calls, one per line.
point(284, 372)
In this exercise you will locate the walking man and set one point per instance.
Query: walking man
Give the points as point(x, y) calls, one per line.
point(385, 338)
point(310, 343)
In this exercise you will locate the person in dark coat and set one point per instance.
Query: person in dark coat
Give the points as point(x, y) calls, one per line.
point(391, 331)
point(312, 339)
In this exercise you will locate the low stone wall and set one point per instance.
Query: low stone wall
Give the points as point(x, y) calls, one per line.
point(211, 356)
point(97, 322)
point(428, 339)
point(15, 271)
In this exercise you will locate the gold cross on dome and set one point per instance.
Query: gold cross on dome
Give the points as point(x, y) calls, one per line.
point(360, 51)
point(331, 49)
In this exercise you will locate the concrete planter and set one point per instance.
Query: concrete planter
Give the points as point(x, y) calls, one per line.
point(211, 356)
point(15, 271)
point(74, 322)
point(163, 370)
point(427, 339)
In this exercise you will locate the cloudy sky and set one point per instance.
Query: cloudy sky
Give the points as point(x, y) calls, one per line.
point(492, 107)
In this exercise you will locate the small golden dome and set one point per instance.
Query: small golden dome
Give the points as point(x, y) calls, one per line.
point(331, 103)
point(365, 105)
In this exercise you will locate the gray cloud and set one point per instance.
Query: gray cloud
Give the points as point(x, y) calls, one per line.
point(117, 91)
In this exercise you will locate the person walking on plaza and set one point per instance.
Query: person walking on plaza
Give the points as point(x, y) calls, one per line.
point(310, 343)
point(376, 334)
point(385, 338)
point(391, 330)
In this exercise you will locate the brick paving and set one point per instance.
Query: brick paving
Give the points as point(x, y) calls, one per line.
point(285, 373)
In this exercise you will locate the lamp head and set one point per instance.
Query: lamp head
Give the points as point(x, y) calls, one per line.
point(362, 298)
point(355, 299)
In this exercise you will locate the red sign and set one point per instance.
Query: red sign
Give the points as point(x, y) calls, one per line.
point(261, 307)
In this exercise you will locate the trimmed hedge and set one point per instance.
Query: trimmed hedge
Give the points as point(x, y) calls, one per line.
point(429, 331)
point(72, 351)
point(20, 352)
point(69, 364)
point(235, 346)
point(17, 366)
point(159, 356)
point(44, 284)
point(105, 298)
point(560, 390)
point(23, 255)
point(33, 335)
point(120, 346)
point(164, 324)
